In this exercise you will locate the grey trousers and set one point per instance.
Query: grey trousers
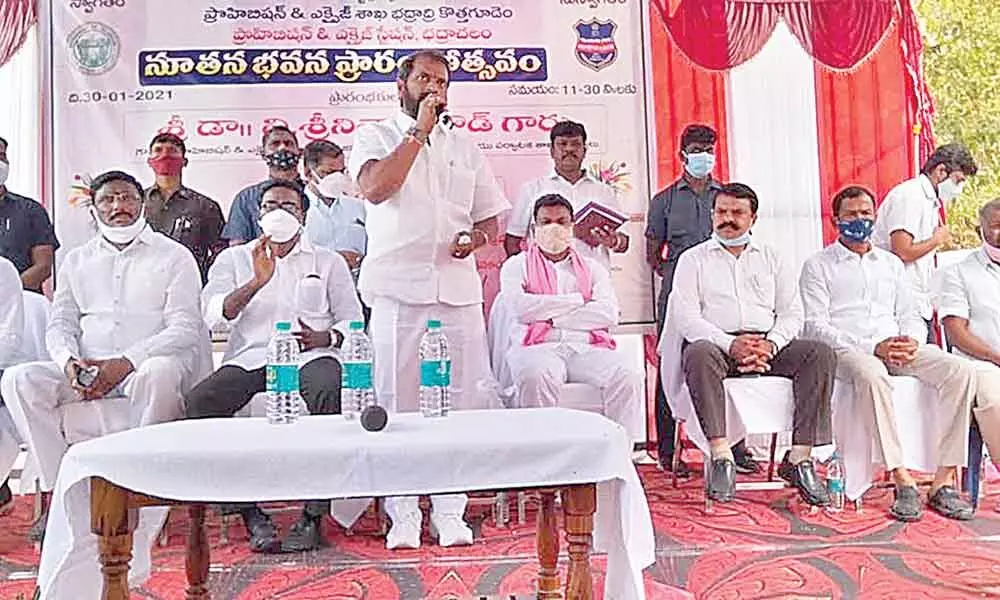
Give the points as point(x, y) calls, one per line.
point(810, 365)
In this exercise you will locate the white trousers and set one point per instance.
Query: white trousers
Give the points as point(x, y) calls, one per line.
point(396, 329)
point(9, 446)
point(540, 371)
point(35, 392)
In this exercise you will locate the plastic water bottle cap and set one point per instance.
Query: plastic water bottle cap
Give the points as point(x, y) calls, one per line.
point(357, 325)
point(283, 326)
point(433, 324)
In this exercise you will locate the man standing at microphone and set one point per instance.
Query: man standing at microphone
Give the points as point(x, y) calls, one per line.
point(432, 201)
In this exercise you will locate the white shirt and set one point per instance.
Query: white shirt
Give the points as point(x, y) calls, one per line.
point(251, 330)
point(449, 188)
point(911, 206)
point(11, 314)
point(139, 302)
point(572, 318)
point(716, 294)
point(586, 189)
point(854, 302)
point(970, 290)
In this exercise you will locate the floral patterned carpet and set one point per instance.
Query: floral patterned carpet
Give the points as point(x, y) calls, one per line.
point(764, 545)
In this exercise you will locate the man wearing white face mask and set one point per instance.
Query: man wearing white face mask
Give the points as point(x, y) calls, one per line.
point(125, 322)
point(280, 277)
point(565, 305)
point(336, 217)
point(911, 223)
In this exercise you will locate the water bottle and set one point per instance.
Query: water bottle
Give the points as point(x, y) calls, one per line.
point(357, 392)
point(835, 483)
point(283, 400)
point(435, 372)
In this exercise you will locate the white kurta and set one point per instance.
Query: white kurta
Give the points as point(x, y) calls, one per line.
point(409, 276)
point(140, 303)
point(11, 335)
point(567, 356)
point(587, 189)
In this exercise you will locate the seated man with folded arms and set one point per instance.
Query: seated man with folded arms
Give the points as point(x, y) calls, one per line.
point(281, 276)
point(738, 309)
point(11, 335)
point(968, 303)
point(859, 300)
point(565, 305)
point(125, 322)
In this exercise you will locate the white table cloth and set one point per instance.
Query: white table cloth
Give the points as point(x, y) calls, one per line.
point(239, 460)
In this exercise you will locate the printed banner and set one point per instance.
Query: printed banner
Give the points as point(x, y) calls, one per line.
point(218, 74)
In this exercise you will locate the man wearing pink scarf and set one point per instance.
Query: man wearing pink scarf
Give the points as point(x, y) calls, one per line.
point(565, 305)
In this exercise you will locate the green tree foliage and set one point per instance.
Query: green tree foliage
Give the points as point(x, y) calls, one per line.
point(962, 44)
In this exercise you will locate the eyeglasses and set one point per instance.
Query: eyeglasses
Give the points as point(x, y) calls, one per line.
point(108, 199)
point(291, 207)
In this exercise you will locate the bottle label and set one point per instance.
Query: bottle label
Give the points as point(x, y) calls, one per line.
point(282, 378)
point(357, 376)
point(836, 486)
point(435, 373)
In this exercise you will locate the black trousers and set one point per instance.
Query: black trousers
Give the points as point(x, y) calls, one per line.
point(229, 389)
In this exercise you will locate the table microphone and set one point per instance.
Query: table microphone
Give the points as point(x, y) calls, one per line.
point(374, 418)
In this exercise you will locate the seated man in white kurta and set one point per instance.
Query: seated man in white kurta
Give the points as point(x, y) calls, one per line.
point(11, 335)
point(125, 322)
point(565, 304)
point(967, 298)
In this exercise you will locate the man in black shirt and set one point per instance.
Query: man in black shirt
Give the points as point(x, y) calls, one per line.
point(26, 235)
point(188, 217)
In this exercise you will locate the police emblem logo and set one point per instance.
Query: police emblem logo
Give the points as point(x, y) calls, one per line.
point(95, 48)
point(595, 43)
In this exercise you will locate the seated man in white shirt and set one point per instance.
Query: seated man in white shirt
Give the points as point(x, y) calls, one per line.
point(570, 180)
point(738, 309)
point(11, 333)
point(565, 305)
point(280, 277)
point(968, 303)
point(859, 300)
point(125, 322)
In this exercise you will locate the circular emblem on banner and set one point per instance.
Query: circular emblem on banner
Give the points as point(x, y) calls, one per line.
point(95, 48)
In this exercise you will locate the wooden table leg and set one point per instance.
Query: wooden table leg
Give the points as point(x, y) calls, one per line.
point(579, 505)
point(113, 523)
point(547, 541)
point(197, 559)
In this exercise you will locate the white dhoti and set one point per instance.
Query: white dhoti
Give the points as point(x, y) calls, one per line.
point(34, 393)
point(540, 370)
point(396, 329)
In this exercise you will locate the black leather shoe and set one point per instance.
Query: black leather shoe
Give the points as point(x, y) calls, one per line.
point(683, 470)
point(722, 480)
point(744, 460)
point(803, 476)
point(37, 532)
point(6, 498)
point(263, 535)
point(305, 535)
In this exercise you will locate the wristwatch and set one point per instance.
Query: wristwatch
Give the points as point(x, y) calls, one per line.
point(336, 339)
point(417, 135)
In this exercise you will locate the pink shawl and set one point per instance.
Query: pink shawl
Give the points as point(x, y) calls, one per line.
point(541, 279)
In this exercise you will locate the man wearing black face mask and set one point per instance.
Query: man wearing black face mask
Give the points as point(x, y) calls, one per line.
point(280, 149)
point(859, 301)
